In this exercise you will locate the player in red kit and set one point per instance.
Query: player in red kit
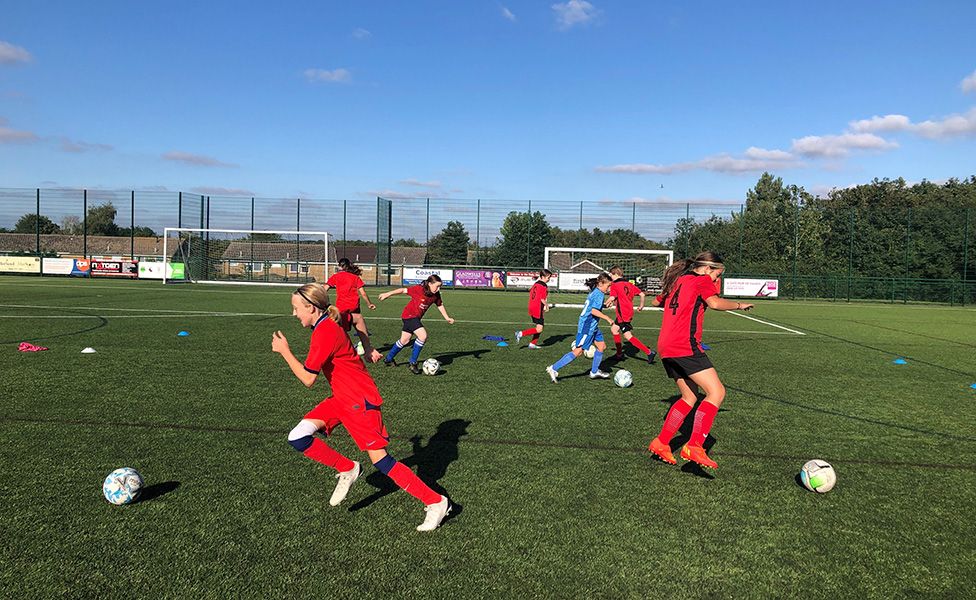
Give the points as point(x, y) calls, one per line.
point(689, 290)
point(623, 292)
point(349, 287)
point(538, 306)
point(355, 404)
point(422, 297)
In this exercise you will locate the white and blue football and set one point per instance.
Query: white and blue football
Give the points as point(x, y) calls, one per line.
point(122, 486)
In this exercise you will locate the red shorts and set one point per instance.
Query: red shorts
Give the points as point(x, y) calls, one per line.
point(365, 425)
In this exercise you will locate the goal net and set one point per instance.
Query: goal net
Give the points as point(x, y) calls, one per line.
point(244, 256)
point(575, 265)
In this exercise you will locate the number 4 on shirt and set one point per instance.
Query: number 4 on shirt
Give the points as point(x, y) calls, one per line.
point(673, 305)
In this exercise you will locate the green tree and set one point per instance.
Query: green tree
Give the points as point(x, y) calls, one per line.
point(407, 243)
point(450, 246)
point(523, 240)
point(101, 220)
point(137, 231)
point(30, 223)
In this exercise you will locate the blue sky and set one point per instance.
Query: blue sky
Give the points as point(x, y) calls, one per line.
point(559, 100)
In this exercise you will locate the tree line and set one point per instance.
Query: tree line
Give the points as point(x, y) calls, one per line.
point(100, 221)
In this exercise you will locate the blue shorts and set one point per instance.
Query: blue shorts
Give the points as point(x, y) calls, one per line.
point(584, 339)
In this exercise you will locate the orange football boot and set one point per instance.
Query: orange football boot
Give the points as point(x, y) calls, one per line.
point(696, 454)
point(662, 451)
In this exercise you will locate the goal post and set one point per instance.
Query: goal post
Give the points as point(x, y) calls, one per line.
point(575, 265)
point(242, 256)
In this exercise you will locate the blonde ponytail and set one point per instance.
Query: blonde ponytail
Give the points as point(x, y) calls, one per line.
point(316, 295)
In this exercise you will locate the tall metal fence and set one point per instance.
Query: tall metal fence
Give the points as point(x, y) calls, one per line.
point(915, 254)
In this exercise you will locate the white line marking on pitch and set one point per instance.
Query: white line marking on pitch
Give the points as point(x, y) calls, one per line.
point(765, 322)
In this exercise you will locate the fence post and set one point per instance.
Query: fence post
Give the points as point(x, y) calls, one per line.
point(528, 235)
point(965, 255)
point(633, 218)
point(427, 243)
point(84, 223)
point(796, 244)
point(250, 266)
point(742, 232)
point(343, 230)
point(908, 244)
point(37, 227)
point(477, 232)
point(298, 238)
point(179, 211)
point(850, 257)
point(688, 237)
point(579, 232)
point(132, 224)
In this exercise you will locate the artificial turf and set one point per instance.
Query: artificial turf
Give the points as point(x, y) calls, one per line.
point(556, 495)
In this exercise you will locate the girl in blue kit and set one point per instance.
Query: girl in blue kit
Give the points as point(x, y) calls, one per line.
point(588, 330)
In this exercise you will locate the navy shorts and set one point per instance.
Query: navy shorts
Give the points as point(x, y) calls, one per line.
point(411, 325)
point(686, 366)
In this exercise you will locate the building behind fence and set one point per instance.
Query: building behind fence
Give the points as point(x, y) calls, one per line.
point(917, 253)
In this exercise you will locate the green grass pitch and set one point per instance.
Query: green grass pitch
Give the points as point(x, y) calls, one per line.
point(558, 496)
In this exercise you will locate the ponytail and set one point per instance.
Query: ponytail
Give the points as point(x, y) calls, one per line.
point(683, 267)
point(432, 278)
point(593, 282)
point(316, 295)
point(346, 265)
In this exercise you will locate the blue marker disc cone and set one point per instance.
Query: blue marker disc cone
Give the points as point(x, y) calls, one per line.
point(502, 343)
point(973, 386)
point(183, 333)
point(900, 361)
point(705, 346)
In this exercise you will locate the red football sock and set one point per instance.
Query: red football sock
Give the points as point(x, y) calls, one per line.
point(529, 330)
point(535, 338)
point(676, 416)
point(616, 340)
point(703, 423)
point(639, 345)
point(321, 452)
point(411, 484)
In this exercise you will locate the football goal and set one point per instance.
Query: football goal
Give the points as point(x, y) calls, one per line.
point(245, 257)
point(575, 265)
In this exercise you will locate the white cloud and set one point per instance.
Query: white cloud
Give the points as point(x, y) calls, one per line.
point(837, 146)
point(361, 34)
point(424, 184)
point(755, 160)
point(574, 12)
point(327, 76)
point(221, 191)
point(195, 159)
point(10, 54)
point(951, 126)
point(8, 135)
point(969, 83)
point(508, 14)
point(79, 146)
point(878, 124)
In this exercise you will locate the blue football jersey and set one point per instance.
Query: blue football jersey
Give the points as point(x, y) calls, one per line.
point(587, 321)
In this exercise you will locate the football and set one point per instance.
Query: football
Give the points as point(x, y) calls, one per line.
point(590, 352)
point(623, 378)
point(431, 366)
point(122, 486)
point(818, 476)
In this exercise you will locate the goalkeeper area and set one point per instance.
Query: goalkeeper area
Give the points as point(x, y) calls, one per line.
point(246, 256)
point(644, 268)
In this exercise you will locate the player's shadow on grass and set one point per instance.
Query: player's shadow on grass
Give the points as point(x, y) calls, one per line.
point(157, 489)
point(102, 322)
point(431, 462)
point(446, 359)
point(552, 340)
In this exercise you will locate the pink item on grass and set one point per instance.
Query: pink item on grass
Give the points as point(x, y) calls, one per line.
point(28, 347)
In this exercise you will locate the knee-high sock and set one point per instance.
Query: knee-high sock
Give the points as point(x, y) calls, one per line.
point(411, 484)
point(597, 359)
point(676, 416)
point(565, 360)
point(535, 337)
point(529, 330)
point(319, 451)
point(639, 345)
point(393, 351)
point(418, 345)
point(704, 417)
point(617, 342)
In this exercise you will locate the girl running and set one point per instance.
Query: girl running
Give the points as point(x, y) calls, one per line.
point(688, 289)
point(422, 297)
point(355, 404)
point(349, 287)
point(538, 306)
point(588, 330)
point(623, 292)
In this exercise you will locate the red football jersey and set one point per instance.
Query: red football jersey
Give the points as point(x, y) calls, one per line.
point(684, 313)
point(331, 353)
point(420, 301)
point(624, 291)
point(347, 289)
point(537, 299)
